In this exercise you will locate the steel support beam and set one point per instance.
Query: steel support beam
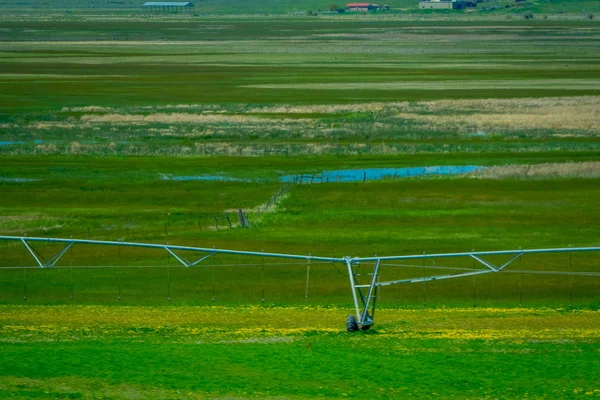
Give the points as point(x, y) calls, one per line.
point(433, 278)
point(182, 248)
point(39, 259)
point(348, 261)
point(492, 266)
point(185, 262)
point(363, 318)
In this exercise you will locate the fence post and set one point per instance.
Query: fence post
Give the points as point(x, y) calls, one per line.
point(424, 283)
point(521, 279)
point(228, 221)
point(214, 287)
point(119, 274)
point(378, 290)
point(71, 269)
point(474, 289)
point(216, 223)
point(168, 277)
point(169, 283)
point(307, 276)
point(262, 277)
point(24, 283)
point(242, 218)
point(570, 279)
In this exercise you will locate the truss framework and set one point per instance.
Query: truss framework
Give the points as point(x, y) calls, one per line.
point(364, 295)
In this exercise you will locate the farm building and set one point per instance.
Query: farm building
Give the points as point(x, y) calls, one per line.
point(167, 7)
point(441, 5)
point(361, 6)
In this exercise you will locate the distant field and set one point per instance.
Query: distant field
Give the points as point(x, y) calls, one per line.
point(301, 7)
point(238, 87)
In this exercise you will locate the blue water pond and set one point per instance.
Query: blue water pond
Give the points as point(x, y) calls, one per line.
point(370, 174)
point(342, 175)
point(221, 178)
point(12, 142)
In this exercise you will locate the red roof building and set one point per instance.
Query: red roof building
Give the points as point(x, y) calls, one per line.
point(361, 6)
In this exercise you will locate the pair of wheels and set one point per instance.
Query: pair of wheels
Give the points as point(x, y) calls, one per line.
point(352, 325)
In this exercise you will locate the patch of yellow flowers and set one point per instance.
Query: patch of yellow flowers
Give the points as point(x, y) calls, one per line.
point(219, 323)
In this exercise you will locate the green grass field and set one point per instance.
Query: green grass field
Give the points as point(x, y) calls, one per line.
point(105, 116)
point(250, 352)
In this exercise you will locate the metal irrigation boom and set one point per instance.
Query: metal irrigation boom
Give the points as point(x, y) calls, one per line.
point(364, 295)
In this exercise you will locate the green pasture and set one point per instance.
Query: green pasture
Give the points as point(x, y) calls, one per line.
point(222, 61)
point(236, 86)
point(297, 353)
point(127, 199)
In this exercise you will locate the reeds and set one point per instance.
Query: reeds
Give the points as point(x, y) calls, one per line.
point(590, 169)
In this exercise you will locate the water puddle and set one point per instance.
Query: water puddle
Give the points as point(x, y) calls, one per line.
point(9, 143)
point(370, 174)
point(220, 178)
point(18, 179)
point(342, 175)
point(14, 142)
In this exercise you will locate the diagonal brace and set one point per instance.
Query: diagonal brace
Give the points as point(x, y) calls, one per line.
point(492, 266)
point(432, 278)
point(54, 259)
point(185, 262)
point(365, 314)
point(41, 261)
point(353, 285)
point(32, 252)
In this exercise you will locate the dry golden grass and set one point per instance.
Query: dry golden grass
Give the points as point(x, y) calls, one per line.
point(589, 169)
point(578, 113)
point(323, 109)
point(172, 118)
point(371, 128)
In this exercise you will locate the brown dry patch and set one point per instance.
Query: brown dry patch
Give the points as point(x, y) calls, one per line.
point(179, 118)
point(325, 109)
point(589, 169)
point(580, 113)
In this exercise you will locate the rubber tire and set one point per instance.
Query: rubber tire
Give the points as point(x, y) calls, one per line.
point(351, 324)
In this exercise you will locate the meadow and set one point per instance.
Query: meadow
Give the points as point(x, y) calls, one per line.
point(119, 127)
point(295, 352)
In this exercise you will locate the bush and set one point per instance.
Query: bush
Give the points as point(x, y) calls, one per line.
point(528, 15)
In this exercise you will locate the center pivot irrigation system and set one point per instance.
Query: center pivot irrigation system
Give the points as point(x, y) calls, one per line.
point(364, 295)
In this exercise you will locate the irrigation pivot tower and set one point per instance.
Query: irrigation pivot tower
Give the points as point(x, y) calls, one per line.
point(364, 295)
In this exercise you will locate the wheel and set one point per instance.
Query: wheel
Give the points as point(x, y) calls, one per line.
point(351, 324)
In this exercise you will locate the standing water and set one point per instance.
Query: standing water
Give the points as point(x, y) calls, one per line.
point(369, 174)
